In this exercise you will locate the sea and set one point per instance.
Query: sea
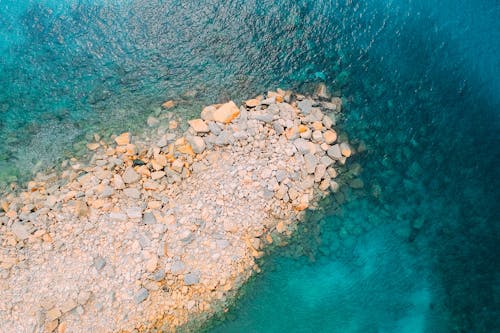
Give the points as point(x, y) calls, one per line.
point(414, 249)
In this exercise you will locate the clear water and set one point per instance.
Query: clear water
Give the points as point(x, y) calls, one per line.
point(421, 83)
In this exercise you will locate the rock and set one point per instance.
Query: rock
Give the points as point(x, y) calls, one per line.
point(317, 136)
point(197, 143)
point(106, 192)
point(324, 185)
point(151, 264)
point(93, 146)
point(356, 183)
point(123, 139)
point(148, 218)
point(345, 149)
point(68, 305)
point(130, 176)
point(305, 106)
point(268, 101)
point(99, 263)
point(177, 166)
point(322, 92)
point(178, 267)
point(326, 160)
point(152, 121)
point(191, 278)
point(330, 136)
point(81, 209)
point(198, 125)
point(208, 112)
point(319, 173)
point(327, 121)
point(251, 103)
point(226, 113)
point(310, 163)
point(304, 147)
point(158, 275)
point(334, 152)
point(119, 184)
point(132, 193)
point(168, 104)
point(20, 230)
point(141, 295)
point(172, 124)
point(331, 172)
point(157, 175)
point(134, 212)
point(83, 297)
point(334, 186)
point(53, 314)
point(266, 117)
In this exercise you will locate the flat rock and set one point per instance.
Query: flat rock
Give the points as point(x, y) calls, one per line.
point(141, 295)
point(305, 106)
point(251, 103)
point(132, 193)
point(197, 143)
point(191, 278)
point(330, 136)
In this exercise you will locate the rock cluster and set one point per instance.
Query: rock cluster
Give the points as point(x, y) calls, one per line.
point(158, 232)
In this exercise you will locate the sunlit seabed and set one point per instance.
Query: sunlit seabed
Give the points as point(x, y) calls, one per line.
point(420, 84)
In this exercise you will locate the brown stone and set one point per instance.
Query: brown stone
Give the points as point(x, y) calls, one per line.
point(226, 112)
point(199, 125)
point(251, 103)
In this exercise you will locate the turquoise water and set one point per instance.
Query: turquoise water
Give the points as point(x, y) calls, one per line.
point(415, 250)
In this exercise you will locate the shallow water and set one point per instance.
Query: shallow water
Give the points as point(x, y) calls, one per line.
point(421, 89)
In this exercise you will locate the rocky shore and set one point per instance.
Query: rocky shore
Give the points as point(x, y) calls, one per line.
point(159, 231)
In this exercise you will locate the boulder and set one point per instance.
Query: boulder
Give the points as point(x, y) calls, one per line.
point(197, 143)
point(330, 136)
point(334, 152)
point(345, 149)
point(310, 163)
point(123, 139)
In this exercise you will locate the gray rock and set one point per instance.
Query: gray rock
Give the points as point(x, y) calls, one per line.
point(317, 136)
point(266, 117)
point(141, 295)
point(148, 218)
point(191, 278)
point(132, 193)
point(334, 152)
point(99, 263)
point(158, 275)
point(326, 161)
point(134, 212)
point(280, 175)
point(224, 138)
point(304, 146)
point(130, 176)
point(178, 267)
point(278, 128)
point(268, 101)
point(310, 163)
point(106, 192)
point(305, 106)
point(197, 143)
point(214, 128)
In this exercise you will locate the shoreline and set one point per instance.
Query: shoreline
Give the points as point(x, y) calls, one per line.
point(151, 232)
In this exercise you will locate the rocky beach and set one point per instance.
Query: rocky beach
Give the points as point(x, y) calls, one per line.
point(159, 230)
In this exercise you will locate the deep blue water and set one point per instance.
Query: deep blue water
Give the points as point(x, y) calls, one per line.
point(421, 86)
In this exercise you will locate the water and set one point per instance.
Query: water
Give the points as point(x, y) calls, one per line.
point(421, 89)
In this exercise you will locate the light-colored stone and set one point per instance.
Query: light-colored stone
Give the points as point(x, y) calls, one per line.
point(132, 193)
point(334, 152)
point(251, 103)
point(330, 136)
point(157, 175)
point(317, 136)
point(93, 146)
point(198, 125)
point(197, 143)
point(226, 112)
point(345, 149)
point(123, 139)
point(152, 121)
point(168, 104)
point(130, 176)
point(20, 230)
point(310, 163)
